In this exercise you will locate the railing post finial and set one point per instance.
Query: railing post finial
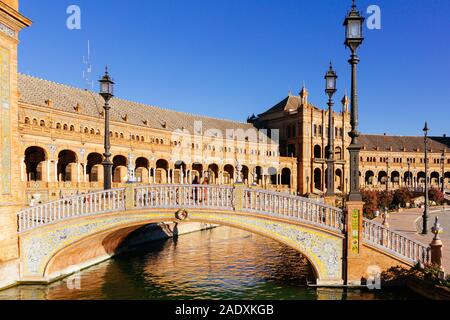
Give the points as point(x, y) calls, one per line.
point(436, 245)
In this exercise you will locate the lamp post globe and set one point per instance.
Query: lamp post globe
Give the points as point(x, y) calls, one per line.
point(107, 92)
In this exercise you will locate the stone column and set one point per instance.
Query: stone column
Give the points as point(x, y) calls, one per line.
point(149, 174)
point(23, 170)
point(238, 194)
point(48, 165)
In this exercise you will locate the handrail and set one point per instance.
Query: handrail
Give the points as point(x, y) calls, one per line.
point(71, 207)
point(399, 245)
point(178, 196)
point(294, 208)
point(184, 196)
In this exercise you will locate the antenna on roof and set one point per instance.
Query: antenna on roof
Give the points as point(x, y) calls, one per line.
point(88, 68)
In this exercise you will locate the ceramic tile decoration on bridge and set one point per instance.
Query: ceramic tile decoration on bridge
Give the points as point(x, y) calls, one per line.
point(317, 230)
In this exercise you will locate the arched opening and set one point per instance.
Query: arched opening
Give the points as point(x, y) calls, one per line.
point(197, 172)
point(113, 241)
point(318, 179)
point(382, 177)
point(395, 178)
point(286, 177)
point(421, 179)
point(213, 173)
point(228, 174)
point(142, 165)
point(180, 172)
point(120, 171)
point(273, 173)
point(447, 180)
point(338, 153)
point(94, 161)
point(317, 152)
point(245, 173)
point(408, 178)
point(162, 169)
point(34, 158)
point(369, 178)
point(66, 168)
point(338, 183)
point(259, 175)
point(434, 179)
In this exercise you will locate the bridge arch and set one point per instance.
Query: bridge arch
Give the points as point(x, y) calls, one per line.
point(100, 246)
point(91, 227)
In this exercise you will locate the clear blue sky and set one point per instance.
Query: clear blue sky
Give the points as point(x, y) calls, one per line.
point(232, 58)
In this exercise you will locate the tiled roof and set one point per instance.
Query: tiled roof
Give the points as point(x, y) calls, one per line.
point(289, 103)
point(399, 143)
point(37, 91)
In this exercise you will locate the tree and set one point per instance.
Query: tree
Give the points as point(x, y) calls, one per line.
point(402, 197)
point(370, 199)
point(436, 195)
point(385, 199)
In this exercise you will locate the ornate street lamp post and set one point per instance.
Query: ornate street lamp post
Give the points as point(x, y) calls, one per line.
point(330, 89)
point(425, 212)
point(409, 174)
point(443, 171)
point(354, 24)
point(387, 174)
point(107, 92)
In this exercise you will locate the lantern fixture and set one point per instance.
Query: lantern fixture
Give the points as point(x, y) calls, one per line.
point(354, 28)
point(330, 81)
point(106, 86)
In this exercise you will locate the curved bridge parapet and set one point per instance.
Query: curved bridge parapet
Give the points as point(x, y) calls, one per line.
point(312, 227)
point(225, 198)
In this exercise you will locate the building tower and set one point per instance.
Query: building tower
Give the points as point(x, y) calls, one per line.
point(302, 176)
point(11, 193)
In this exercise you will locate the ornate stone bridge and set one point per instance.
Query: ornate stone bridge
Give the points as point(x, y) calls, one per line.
point(60, 237)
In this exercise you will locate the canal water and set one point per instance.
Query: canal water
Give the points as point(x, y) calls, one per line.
point(222, 263)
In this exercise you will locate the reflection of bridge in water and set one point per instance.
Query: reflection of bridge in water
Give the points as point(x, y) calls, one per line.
point(59, 237)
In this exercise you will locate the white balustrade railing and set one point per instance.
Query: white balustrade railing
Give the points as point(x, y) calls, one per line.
point(184, 196)
point(395, 243)
point(293, 208)
point(71, 207)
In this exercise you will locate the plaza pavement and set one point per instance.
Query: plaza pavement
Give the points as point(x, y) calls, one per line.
point(409, 223)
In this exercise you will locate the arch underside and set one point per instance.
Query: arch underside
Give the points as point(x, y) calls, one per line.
point(60, 249)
